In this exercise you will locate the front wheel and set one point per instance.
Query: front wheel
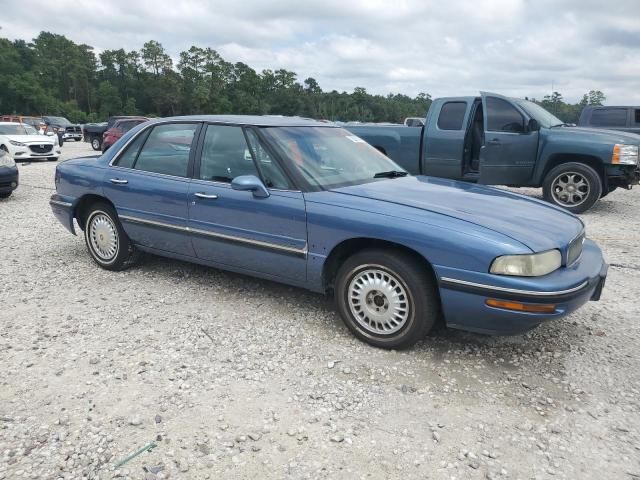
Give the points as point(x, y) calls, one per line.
point(106, 240)
point(386, 298)
point(573, 186)
point(96, 144)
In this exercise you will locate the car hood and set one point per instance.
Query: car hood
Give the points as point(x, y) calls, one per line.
point(598, 134)
point(531, 222)
point(30, 138)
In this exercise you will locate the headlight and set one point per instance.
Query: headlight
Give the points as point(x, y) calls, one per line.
point(624, 154)
point(17, 144)
point(534, 265)
point(6, 161)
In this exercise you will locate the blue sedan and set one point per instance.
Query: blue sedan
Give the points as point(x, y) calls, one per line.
point(309, 204)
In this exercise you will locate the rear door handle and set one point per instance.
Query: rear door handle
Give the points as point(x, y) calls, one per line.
point(204, 195)
point(119, 181)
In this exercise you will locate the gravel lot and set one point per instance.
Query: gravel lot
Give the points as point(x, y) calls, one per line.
point(233, 377)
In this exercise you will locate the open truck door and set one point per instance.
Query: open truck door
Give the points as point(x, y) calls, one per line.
point(510, 148)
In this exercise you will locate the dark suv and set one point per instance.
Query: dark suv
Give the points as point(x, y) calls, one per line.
point(612, 118)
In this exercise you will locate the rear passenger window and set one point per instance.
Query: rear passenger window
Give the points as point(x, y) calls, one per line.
point(452, 116)
point(503, 117)
point(128, 158)
point(167, 149)
point(609, 117)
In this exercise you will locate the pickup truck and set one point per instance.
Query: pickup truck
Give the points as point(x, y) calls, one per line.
point(626, 119)
point(496, 140)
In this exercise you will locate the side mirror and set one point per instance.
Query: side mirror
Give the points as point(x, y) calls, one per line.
point(534, 126)
point(250, 183)
point(49, 134)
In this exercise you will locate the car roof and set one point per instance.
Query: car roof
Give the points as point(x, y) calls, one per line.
point(10, 123)
point(257, 120)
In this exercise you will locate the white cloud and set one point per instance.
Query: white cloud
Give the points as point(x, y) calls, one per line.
point(515, 47)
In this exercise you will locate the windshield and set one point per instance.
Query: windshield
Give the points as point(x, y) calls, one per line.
point(30, 130)
point(544, 118)
point(58, 120)
point(329, 157)
point(8, 129)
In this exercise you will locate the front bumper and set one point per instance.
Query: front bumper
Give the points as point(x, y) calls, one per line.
point(463, 296)
point(25, 153)
point(8, 179)
point(72, 136)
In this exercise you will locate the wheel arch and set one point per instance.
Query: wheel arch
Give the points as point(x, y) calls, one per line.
point(590, 160)
point(351, 246)
point(82, 206)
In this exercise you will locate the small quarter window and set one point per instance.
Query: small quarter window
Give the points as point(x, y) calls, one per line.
point(503, 117)
point(452, 116)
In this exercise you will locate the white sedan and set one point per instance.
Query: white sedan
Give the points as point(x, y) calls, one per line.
point(23, 142)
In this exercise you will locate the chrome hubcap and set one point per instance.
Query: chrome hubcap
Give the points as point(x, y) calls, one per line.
point(96, 144)
point(378, 301)
point(570, 189)
point(103, 237)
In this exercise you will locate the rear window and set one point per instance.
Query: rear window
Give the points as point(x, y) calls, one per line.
point(609, 117)
point(452, 116)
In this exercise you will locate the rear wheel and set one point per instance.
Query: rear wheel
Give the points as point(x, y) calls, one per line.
point(106, 240)
point(386, 298)
point(573, 186)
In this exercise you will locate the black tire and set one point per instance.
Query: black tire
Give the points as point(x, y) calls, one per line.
point(124, 254)
point(581, 198)
point(96, 144)
point(2, 147)
point(6, 194)
point(411, 284)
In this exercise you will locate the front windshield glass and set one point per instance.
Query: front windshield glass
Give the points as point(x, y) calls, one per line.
point(329, 157)
point(8, 129)
point(544, 118)
point(30, 130)
point(59, 121)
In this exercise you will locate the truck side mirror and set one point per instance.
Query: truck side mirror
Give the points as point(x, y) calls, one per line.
point(533, 126)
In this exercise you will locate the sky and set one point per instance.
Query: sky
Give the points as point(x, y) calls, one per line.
point(444, 48)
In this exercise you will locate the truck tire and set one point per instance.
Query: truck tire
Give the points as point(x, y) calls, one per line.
point(573, 186)
point(96, 143)
point(386, 298)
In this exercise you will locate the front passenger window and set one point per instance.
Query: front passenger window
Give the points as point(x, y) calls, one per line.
point(225, 154)
point(503, 117)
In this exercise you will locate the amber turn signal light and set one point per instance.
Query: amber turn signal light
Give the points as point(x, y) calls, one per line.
point(521, 307)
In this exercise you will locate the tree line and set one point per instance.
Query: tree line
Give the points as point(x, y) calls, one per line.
point(53, 75)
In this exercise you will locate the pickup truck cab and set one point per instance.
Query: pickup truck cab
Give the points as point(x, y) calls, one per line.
point(626, 119)
point(496, 140)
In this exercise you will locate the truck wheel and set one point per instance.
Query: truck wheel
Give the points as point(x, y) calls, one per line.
point(96, 144)
point(386, 298)
point(573, 186)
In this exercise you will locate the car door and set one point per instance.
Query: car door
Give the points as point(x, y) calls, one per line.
point(236, 228)
point(444, 141)
point(148, 182)
point(508, 155)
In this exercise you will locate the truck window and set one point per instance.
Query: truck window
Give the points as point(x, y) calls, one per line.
point(503, 117)
point(637, 115)
point(609, 117)
point(452, 115)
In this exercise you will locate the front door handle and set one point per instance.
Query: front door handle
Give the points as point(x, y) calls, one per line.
point(204, 195)
point(119, 181)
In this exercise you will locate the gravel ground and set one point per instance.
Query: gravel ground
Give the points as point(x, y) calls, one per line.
point(233, 377)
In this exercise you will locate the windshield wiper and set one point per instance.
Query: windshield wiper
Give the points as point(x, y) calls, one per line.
point(391, 174)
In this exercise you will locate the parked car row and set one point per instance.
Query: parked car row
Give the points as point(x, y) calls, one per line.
point(310, 204)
